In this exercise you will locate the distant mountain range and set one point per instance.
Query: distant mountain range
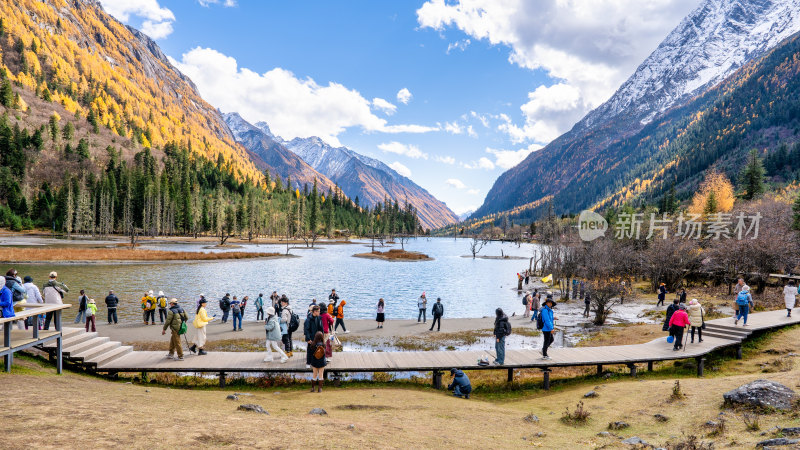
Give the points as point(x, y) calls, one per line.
point(608, 157)
point(358, 176)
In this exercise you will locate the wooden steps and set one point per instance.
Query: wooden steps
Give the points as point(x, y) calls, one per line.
point(88, 349)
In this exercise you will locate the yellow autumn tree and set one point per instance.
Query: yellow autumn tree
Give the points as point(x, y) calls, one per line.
point(722, 188)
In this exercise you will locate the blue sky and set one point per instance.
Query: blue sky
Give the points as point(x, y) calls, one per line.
point(489, 80)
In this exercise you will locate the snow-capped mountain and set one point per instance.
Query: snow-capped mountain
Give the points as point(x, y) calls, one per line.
point(714, 41)
point(369, 179)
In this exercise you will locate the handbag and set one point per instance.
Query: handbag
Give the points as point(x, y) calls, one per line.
point(670, 339)
point(182, 330)
point(319, 352)
point(702, 319)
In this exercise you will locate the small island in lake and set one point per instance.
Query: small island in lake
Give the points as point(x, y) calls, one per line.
point(396, 255)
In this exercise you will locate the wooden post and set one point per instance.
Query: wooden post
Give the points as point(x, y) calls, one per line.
point(222, 379)
point(437, 379)
point(599, 369)
point(8, 359)
point(632, 366)
point(649, 366)
point(546, 380)
point(510, 375)
point(59, 354)
point(701, 362)
point(739, 351)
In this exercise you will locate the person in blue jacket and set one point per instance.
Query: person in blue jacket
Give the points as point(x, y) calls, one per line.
point(460, 384)
point(6, 302)
point(549, 321)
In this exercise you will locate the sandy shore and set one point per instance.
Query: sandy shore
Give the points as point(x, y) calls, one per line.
point(128, 333)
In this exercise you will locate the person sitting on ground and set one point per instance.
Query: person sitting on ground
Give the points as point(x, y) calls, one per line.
point(317, 359)
point(677, 323)
point(789, 297)
point(437, 311)
point(201, 319)
point(460, 385)
point(502, 328)
point(548, 324)
point(697, 317)
point(260, 307)
point(670, 311)
point(161, 301)
point(744, 301)
point(176, 316)
point(53, 292)
point(311, 327)
point(112, 301)
point(273, 329)
point(91, 311)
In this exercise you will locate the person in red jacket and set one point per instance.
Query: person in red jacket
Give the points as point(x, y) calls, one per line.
point(327, 327)
point(677, 323)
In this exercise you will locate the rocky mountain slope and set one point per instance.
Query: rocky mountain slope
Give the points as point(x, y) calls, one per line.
point(710, 44)
point(370, 180)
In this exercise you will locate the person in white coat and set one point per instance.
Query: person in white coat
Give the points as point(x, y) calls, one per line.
point(273, 329)
point(789, 297)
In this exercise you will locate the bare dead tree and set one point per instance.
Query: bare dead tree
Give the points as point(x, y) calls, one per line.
point(476, 243)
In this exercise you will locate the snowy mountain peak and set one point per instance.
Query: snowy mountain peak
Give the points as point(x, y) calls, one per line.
point(712, 42)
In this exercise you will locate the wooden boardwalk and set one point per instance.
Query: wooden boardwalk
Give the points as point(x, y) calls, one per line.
point(102, 355)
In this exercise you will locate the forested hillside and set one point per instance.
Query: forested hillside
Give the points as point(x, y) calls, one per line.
point(100, 135)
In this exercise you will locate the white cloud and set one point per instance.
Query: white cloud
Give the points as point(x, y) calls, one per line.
point(453, 128)
point(225, 3)
point(588, 46)
point(455, 183)
point(383, 105)
point(445, 159)
point(404, 96)
point(471, 132)
point(412, 151)
point(481, 117)
point(473, 191)
point(292, 106)
point(482, 163)
point(458, 45)
point(157, 20)
point(507, 159)
point(401, 169)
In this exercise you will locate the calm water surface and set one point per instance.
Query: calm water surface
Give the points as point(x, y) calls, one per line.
point(468, 288)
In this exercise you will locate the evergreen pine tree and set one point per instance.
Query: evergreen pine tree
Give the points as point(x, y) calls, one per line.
point(753, 176)
point(711, 204)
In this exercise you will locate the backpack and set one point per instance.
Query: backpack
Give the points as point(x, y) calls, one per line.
point(507, 328)
point(236, 308)
point(162, 302)
point(539, 321)
point(741, 299)
point(294, 323)
point(319, 352)
point(525, 300)
point(17, 296)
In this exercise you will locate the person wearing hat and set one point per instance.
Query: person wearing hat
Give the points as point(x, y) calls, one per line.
point(460, 385)
point(149, 307)
point(35, 296)
point(161, 301)
point(112, 301)
point(91, 311)
point(422, 304)
point(744, 301)
point(273, 328)
point(175, 318)
point(201, 319)
point(677, 323)
point(437, 311)
point(549, 324)
point(53, 292)
point(662, 294)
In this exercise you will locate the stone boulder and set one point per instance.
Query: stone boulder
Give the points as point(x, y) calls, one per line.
point(252, 408)
point(777, 442)
point(761, 394)
point(319, 412)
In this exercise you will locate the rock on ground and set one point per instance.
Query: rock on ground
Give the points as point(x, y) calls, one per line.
point(532, 418)
point(590, 394)
point(253, 408)
point(792, 431)
point(636, 440)
point(618, 425)
point(661, 418)
point(232, 397)
point(777, 442)
point(763, 394)
point(318, 411)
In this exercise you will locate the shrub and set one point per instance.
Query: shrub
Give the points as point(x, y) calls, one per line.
point(578, 417)
point(677, 393)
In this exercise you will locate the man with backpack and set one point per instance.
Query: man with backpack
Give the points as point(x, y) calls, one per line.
point(526, 302)
point(236, 311)
point(225, 307)
point(744, 301)
point(176, 322)
point(161, 301)
point(53, 292)
point(502, 328)
point(112, 301)
point(149, 307)
point(437, 311)
point(546, 322)
point(289, 324)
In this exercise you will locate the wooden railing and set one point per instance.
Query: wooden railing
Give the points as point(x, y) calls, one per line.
point(16, 340)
